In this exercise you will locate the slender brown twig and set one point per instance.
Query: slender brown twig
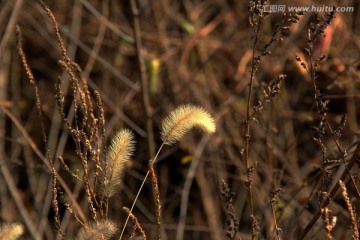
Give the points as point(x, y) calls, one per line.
point(155, 184)
point(254, 65)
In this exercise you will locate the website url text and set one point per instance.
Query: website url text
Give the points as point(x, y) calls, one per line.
point(313, 8)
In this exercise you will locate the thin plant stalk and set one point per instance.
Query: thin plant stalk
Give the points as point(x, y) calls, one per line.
point(247, 133)
point(277, 229)
point(156, 198)
point(138, 193)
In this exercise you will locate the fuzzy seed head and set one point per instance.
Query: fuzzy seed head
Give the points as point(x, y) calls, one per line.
point(103, 230)
point(184, 118)
point(119, 152)
point(11, 231)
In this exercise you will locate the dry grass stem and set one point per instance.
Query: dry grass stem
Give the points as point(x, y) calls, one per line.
point(56, 29)
point(273, 204)
point(155, 184)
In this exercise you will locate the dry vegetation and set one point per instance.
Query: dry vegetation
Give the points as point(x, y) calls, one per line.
point(282, 91)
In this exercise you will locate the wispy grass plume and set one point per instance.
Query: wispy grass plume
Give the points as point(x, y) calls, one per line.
point(182, 119)
point(120, 150)
point(11, 231)
point(103, 230)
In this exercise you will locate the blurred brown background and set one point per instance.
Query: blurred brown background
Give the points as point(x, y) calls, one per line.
point(195, 52)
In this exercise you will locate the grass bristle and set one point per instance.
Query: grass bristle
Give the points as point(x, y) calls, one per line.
point(184, 118)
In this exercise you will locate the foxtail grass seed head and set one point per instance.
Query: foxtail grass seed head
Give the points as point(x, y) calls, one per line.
point(103, 229)
point(11, 231)
point(184, 118)
point(120, 150)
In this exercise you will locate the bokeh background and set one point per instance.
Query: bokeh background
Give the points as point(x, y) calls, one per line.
point(197, 52)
